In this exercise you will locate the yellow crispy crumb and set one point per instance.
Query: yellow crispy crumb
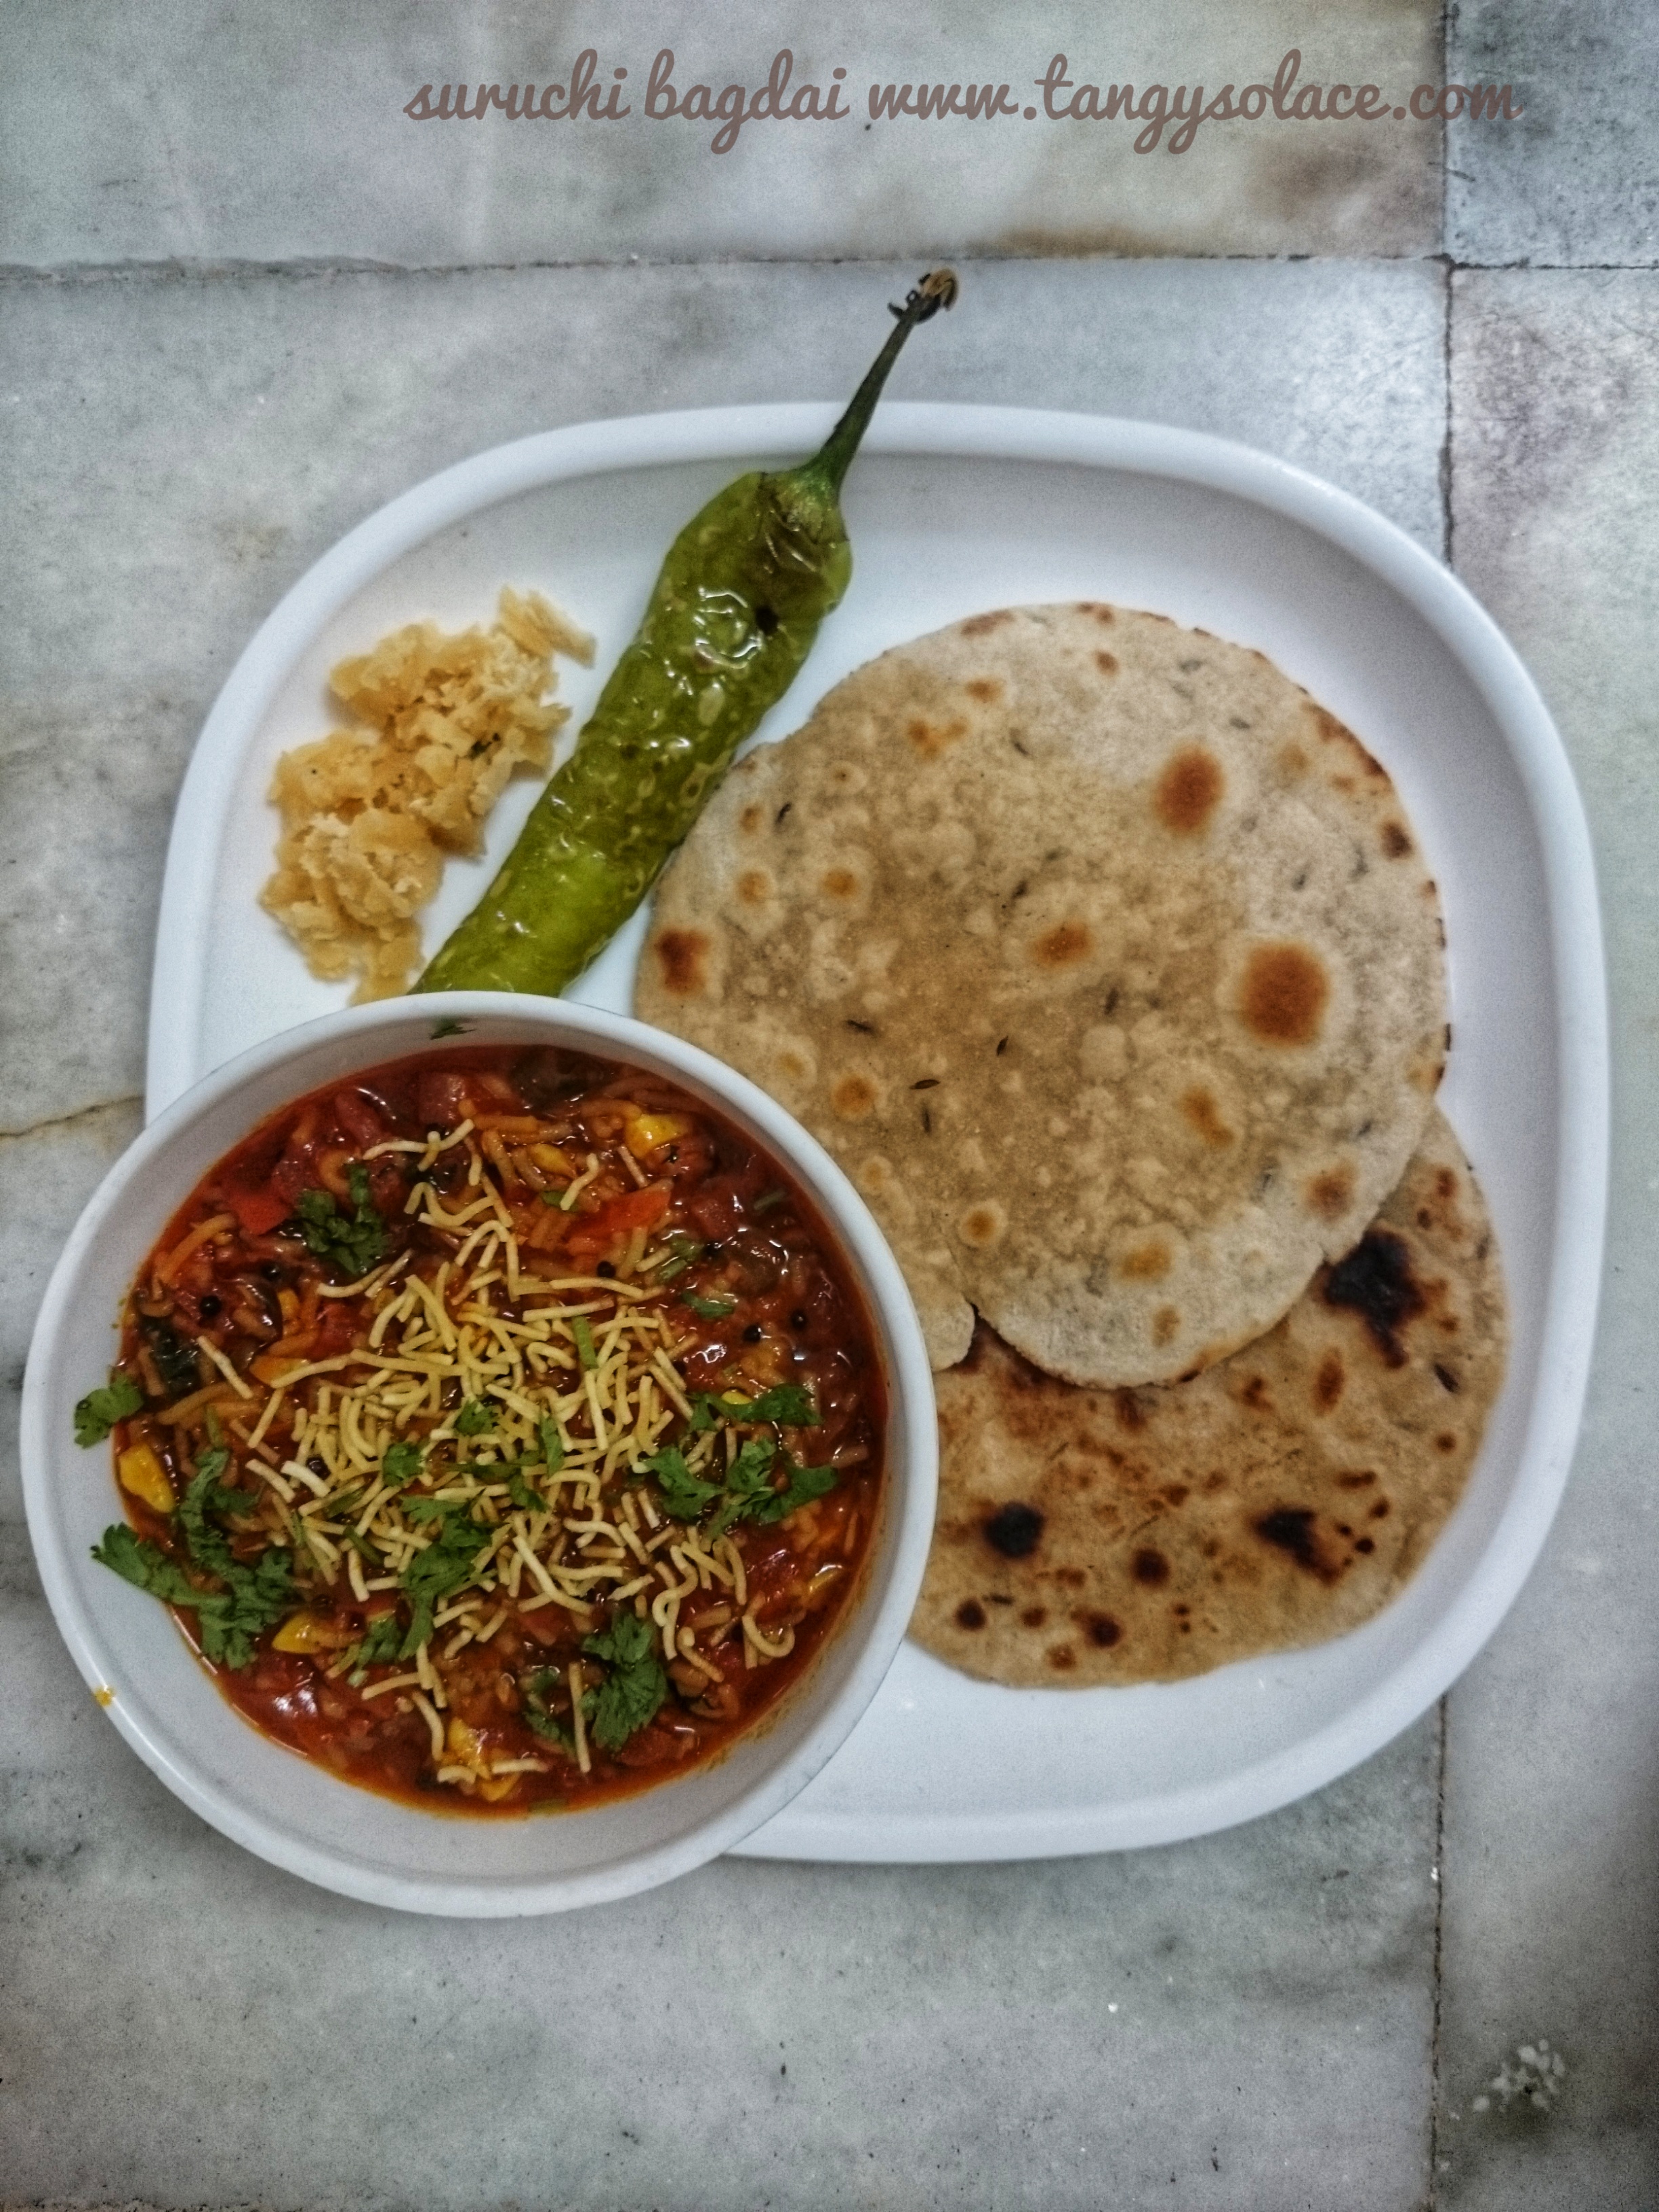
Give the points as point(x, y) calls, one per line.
point(369, 812)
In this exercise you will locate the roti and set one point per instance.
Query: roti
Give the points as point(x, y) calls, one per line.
point(1101, 958)
point(1281, 1498)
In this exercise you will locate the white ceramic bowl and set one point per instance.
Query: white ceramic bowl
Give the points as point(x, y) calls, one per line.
point(286, 1808)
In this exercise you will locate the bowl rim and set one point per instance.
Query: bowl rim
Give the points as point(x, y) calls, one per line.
point(912, 1453)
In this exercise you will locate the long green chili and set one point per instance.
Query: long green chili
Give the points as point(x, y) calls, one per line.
point(735, 610)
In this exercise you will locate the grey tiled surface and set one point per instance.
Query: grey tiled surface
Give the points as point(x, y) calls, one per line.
point(1297, 2025)
point(1576, 180)
point(170, 131)
point(1552, 1845)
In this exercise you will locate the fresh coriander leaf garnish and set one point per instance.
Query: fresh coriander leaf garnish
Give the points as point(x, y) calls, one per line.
point(708, 1308)
point(379, 1647)
point(767, 1199)
point(402, 1462)
point(437, 1572)
point(534, 1708)
point(99, 1410)
point(355, 1244)
point(552, 1445)
point(526, 1499)
point(804, 1484)
point(787, 1405)
point(447, 1029)
point(255, 1597)
point(474, 1417)
point(747, 1486)
point(683, 1495)
point(420, 1509)
point(584, 1337)
point(635, 1685)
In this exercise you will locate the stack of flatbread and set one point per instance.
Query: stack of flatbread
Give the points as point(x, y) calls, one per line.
point(1105, 962)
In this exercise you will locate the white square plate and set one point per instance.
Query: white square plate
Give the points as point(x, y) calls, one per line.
point(952, 510)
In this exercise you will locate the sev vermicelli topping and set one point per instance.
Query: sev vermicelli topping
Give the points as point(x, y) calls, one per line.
point(498, 1426)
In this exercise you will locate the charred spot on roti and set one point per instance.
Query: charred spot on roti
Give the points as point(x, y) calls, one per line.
point(1293, 760)
point(1291, 1529)
point(932, 738)
point(1200, 1109)
point(1033, 1616)
point(1106, 663)
point(970, 1613)
point(755, 887)
point(1329, 1381)
point(751, 819)
point(983, 1225)
point(1063, 946)
point(853, 1096)
point(1014, 1531)
point(838, 884)
point(1285, 991)
point(1189, 791)
point(1358, 1479)
point(1148, 1262)
point(1150, 1567)
point(1445, 1442)
point(1330, 1193)
point(1102, 614)
point(1375, 1281)
point(1101, 1631)
point(1166, 1325)
point(1395, 843)
point(1062, 1658)
point(982, 625)
point(1446, 1379)
point(683, 957)
point(1128, 1410)
point(986, 689)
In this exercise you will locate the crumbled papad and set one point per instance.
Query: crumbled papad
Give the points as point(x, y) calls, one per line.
point(368, 812)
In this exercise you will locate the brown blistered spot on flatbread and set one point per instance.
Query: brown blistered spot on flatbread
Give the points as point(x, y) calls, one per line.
point(1284, 994)
point(1374, 1280)
point(853, 1096)
point(1063, 946)
point(982, 1224)
point(986, 689)
point(1130, 1412)
point(1102, 614)
point(751, 819)
point(1293, 760)
point(1166, 1321)
point(1330, 1194)
point(1200, 1108)
point(1150, 1567)
point(1334, 733)
point(683, 957)
point(970, 1613)
point(982, 625)
point(1035, 1616)
point(932, 738)
point(1062, 1658)
point(1329, 1381)
point(1014, 1531)
point(1395, 843)
point(1445, 1442)
point(755, 887)
point(838, 884)
point(1146, 1263)
point(1101, 1631)
point(1189, 791)
point(1106, 663)
point(1291, 1528)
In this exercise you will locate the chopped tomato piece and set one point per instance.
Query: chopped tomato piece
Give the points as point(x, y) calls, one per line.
point(635, 1209)
point(259, 1210)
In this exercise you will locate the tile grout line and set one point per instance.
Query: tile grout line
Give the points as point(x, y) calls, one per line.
point(71, 1120)
point(298, 272)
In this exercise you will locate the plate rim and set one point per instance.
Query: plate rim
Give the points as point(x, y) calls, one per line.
point(953, 431)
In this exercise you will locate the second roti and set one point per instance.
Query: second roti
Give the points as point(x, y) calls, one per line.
point(1101, 956)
